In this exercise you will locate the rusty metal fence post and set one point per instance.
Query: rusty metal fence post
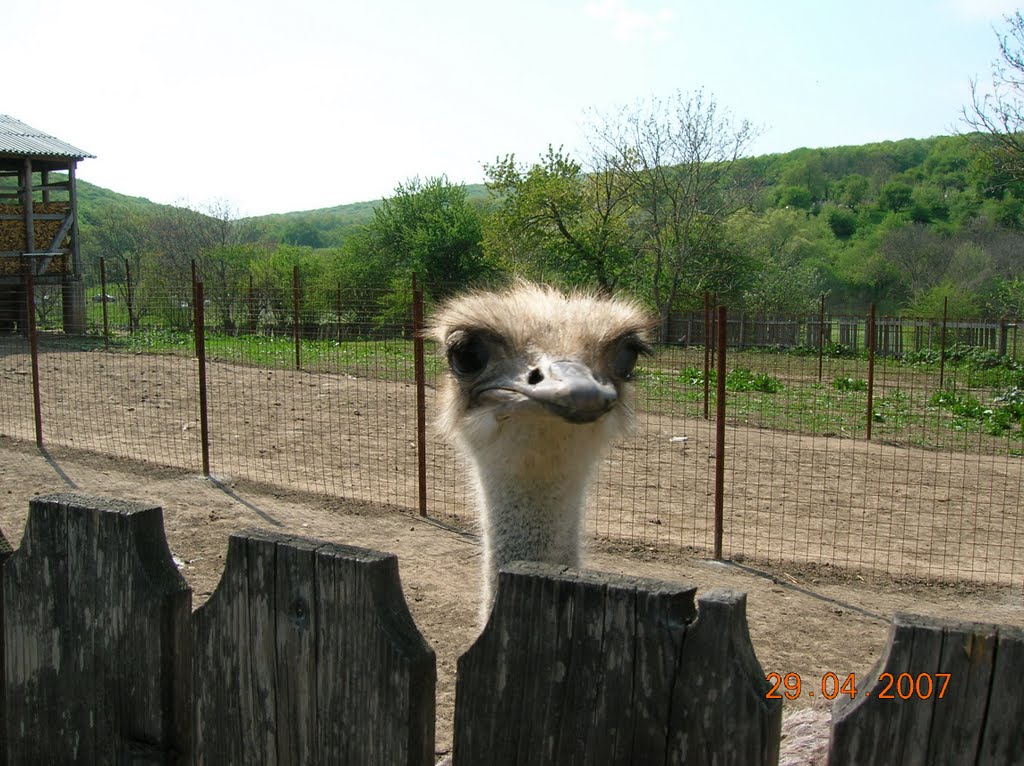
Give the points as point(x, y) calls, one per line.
point(251, 307)
point(421, 395)
point(103, 296)
point(707, 354)
point(720, 434)
point(200, 343)
point(129, 296)
point(295, 316)
point(821, 336)
point(871, 368)
point(942, 341)
point(339, 306)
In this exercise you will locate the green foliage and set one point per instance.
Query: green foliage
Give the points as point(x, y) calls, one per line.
point(895, 196)
point(1004, 417)
point(850, 384)
point(842, 221)
point(742, 379)
point(428, 229)
point(932, 302)
point(738, 380)
point(793, 196)
point(893, 409)
point(906, 225)
point(554, 217)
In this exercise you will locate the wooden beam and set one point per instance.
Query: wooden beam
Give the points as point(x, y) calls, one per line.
point(76, 254)
point(26, 202)
point(69, 220)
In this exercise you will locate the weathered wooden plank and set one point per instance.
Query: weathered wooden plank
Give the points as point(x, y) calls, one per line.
point(719, 706)
point(310, 647)
point(5, 553)
point(578, 667)
point(1002, 741)
point(96, 637)
point(908, 713)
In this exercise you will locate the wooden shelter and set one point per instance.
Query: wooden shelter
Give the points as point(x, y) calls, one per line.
point(38, 223)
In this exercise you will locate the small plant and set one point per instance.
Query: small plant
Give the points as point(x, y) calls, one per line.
point(892, 408)
point(742, 379)
point(850, 384)
point(1004, 417)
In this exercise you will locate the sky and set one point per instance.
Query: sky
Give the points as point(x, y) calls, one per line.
point(273, 107)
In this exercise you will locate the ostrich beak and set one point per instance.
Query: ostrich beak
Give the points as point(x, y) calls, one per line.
point(564, 388)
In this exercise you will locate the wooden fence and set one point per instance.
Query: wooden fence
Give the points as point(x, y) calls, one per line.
point(894, 336)
point(307, 653)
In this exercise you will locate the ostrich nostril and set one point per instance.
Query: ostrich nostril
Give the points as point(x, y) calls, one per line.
point(535, 377)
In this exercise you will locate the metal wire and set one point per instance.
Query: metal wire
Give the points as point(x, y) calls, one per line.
point(934, 495)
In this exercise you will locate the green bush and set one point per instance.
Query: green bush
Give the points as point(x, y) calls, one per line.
point(742, 380)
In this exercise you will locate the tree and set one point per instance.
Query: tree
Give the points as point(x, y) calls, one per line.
point(788, 250)
point(679, 160)
point(427, 228)
point(918, 254)
point(895, 196)
point(554, 215)
point(123, 237)
point(997, 114)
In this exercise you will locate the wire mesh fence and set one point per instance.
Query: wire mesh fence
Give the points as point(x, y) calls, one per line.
point(876, 446)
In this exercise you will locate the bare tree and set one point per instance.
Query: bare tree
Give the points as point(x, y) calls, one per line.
point(997, 113)
point(680, 158)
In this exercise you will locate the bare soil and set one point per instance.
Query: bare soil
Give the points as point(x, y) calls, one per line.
point(817, 602)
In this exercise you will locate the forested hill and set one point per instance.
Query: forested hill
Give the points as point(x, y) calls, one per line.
point(931, 180)
point(907, 225)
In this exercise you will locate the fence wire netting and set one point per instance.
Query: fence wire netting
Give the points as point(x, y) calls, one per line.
point(903, 462)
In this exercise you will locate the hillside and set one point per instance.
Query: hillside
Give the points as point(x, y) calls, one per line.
point(930, 179)
point(907, 225)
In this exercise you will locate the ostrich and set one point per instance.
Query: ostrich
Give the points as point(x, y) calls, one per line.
point(538, 391)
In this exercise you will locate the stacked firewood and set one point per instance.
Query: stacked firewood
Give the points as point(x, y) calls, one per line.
point(12, 225)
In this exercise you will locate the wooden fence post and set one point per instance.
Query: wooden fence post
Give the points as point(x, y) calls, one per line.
point(944, 692)
point(578, 667)
point(96, 632)
point(5, 553)
point(307, 653)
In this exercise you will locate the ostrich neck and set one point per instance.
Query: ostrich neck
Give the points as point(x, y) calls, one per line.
point(532, 503)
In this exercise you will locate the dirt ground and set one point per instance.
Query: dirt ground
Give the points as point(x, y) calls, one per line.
point(791, 500)
point(809, 624)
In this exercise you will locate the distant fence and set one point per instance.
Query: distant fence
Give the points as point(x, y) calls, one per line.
point(894, 336)
point(307, 653)
point(832, 454)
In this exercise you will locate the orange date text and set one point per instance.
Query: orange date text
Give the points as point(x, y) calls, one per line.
point(903, 686)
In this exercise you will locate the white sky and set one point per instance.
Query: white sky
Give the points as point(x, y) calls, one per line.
point(273, 107)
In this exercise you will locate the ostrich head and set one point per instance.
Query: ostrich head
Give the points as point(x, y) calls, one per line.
point(537, 391)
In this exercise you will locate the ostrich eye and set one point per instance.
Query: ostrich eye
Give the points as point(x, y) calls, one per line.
point(625, 357)
point(468, 356)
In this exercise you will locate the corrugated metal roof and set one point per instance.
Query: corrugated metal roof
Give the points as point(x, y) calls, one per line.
point(22, 140)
